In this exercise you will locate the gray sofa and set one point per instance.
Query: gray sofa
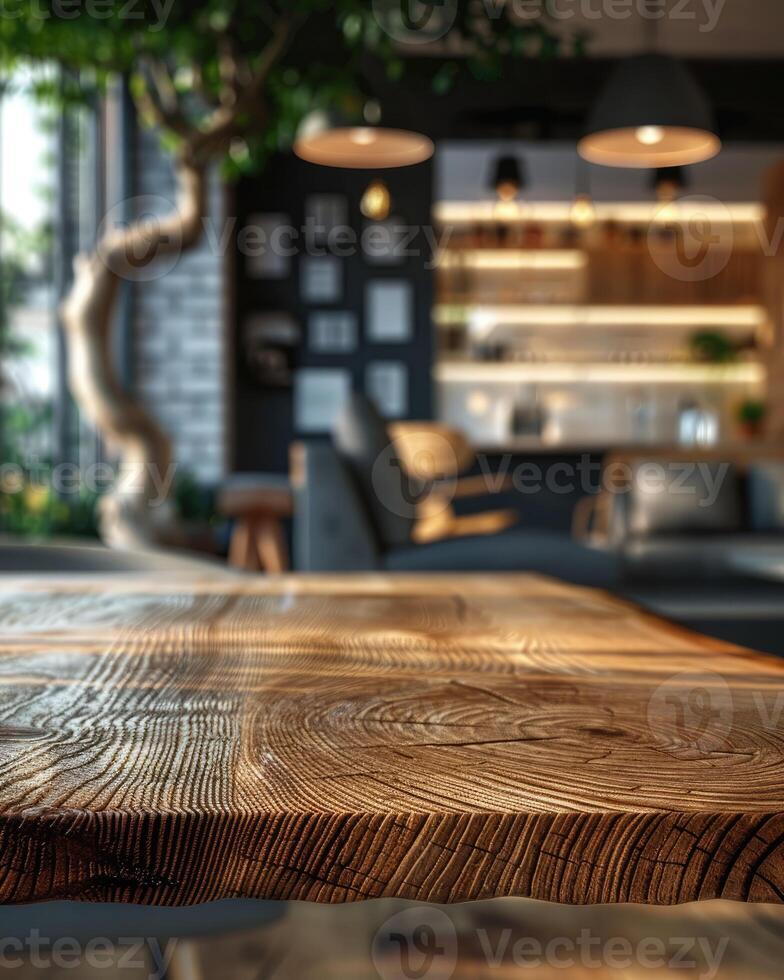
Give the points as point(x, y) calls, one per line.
point(355, 508)
point(690, 519)
point(687, 537)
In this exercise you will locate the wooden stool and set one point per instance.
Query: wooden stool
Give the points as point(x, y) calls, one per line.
point(258, 504)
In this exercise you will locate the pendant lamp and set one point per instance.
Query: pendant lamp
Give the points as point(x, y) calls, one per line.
point(331, 140)
point(652, 113)
point(508, 178)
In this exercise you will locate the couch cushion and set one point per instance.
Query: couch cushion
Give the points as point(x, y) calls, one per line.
point(545, 552)
point(766, 496)
point(361, 439)
point(681, 497)
point(689, 556)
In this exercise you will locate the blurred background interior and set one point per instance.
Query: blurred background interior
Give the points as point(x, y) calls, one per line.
point(510, 305)
point(461, 364)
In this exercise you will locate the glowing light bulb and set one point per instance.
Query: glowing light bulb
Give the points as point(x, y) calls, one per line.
point(478, 403)
point(362, 136)
point(583, 213)
point(507, 190)
point(649, 135)
point(376, 202)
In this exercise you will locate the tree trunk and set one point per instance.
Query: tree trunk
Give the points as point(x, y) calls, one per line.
point(135, 513)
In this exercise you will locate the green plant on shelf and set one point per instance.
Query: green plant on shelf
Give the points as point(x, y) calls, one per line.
point(713, 347)
point(752, 414)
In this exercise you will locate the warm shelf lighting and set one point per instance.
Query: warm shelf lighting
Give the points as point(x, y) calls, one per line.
point(376, 202)
point(583, 213)
point(582, 373)
point(513, 259)
point(748, 317)
point(625, 212)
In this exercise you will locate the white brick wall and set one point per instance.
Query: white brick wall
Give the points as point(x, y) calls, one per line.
point(179, 338)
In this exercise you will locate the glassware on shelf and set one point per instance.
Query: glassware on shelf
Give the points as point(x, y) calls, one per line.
point(697, 425)
point(528, 418)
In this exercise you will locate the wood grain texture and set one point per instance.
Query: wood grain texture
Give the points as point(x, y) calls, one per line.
point(432, 738)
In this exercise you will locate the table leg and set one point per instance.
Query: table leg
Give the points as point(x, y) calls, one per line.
point(242, 549)
point(271, 546)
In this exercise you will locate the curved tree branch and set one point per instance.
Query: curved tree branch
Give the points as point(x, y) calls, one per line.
point(133, 515)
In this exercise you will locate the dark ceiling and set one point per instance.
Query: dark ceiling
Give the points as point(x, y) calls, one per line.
point(550, 99)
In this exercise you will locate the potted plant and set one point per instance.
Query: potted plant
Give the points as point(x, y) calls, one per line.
point(752, 413)
point(712, 347)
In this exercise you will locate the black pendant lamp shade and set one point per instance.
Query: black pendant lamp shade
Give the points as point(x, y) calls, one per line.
point(508, 177)
point(652, 113)
point(669, 182)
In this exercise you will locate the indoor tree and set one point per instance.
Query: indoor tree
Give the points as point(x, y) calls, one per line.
point(222, 81)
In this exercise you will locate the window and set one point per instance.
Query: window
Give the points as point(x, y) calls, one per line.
point(53, 188)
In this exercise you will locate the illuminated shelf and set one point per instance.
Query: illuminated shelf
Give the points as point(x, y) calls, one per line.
point(512, 259)
point(473, 372)
point(487, 315)
point(559, 212)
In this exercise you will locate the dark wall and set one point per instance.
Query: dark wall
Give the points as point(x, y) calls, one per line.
point(264, 422)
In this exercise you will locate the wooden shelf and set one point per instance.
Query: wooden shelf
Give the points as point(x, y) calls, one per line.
point(747, 316)
point(477, 372)
point(623, 212)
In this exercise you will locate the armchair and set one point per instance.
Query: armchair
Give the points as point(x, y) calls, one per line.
point(356, 508)
point(435, 456)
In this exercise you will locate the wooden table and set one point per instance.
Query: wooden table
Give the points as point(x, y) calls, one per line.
point(259, 503)
point(440, 738)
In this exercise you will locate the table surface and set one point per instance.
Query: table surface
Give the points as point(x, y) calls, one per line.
point(172, 740)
